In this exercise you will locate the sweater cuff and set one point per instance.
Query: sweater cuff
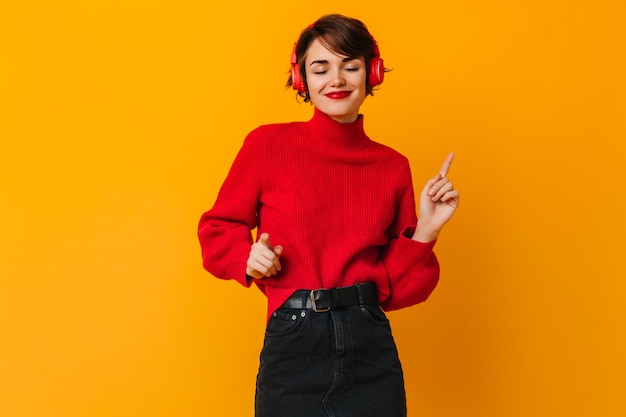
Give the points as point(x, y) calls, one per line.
point(414, 247)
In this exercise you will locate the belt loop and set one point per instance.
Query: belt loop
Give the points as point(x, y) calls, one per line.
point(305, 295)
point(360, 294)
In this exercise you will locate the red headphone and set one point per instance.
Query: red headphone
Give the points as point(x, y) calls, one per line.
point(376, 74)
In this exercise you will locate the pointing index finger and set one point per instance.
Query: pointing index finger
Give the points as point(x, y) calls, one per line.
point(446, 165)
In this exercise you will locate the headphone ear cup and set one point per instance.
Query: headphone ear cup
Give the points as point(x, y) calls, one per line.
point(296, 80)
point(377, 71)
point(297, 83)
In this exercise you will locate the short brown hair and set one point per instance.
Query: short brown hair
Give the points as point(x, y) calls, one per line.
point(343, 36)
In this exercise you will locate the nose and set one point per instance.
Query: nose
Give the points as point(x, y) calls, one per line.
point(337, 78)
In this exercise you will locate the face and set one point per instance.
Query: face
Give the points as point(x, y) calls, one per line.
point(336, 83)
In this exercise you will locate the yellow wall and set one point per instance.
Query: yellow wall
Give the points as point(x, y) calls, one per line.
point(119, 120)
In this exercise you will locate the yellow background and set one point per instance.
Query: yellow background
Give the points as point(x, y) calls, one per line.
point(119, 121)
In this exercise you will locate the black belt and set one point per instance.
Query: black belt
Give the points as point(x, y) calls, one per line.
point(322, 300)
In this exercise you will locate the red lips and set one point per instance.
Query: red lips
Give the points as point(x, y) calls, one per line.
point(338, 95)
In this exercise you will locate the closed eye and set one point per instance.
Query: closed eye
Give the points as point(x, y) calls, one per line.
point(322, 63)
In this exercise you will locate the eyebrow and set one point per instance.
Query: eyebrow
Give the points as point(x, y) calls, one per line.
point(324, 61)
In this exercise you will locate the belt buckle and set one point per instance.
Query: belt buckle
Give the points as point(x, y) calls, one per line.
point(314, 304)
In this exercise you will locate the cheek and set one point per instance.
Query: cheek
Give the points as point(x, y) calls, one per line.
point(314, 82)
point(362, 80)
point(357, 79)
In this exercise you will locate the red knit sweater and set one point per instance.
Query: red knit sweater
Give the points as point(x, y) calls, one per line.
point(341, 205)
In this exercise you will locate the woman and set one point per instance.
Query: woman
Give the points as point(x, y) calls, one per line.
point(338, 237)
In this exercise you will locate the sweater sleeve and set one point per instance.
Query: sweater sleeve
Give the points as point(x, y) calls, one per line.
point(412, 266)
point(225, 230)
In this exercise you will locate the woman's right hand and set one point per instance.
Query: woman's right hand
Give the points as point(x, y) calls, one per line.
point(263, 261)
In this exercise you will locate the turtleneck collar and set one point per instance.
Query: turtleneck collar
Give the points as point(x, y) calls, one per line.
point(326, 130)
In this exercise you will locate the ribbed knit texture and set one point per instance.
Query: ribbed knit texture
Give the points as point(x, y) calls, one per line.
point(341, 205)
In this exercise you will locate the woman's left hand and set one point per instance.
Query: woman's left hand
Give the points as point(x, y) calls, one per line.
point(438, 202)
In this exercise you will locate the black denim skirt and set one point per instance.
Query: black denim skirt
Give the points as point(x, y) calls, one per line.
point(339, 363)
